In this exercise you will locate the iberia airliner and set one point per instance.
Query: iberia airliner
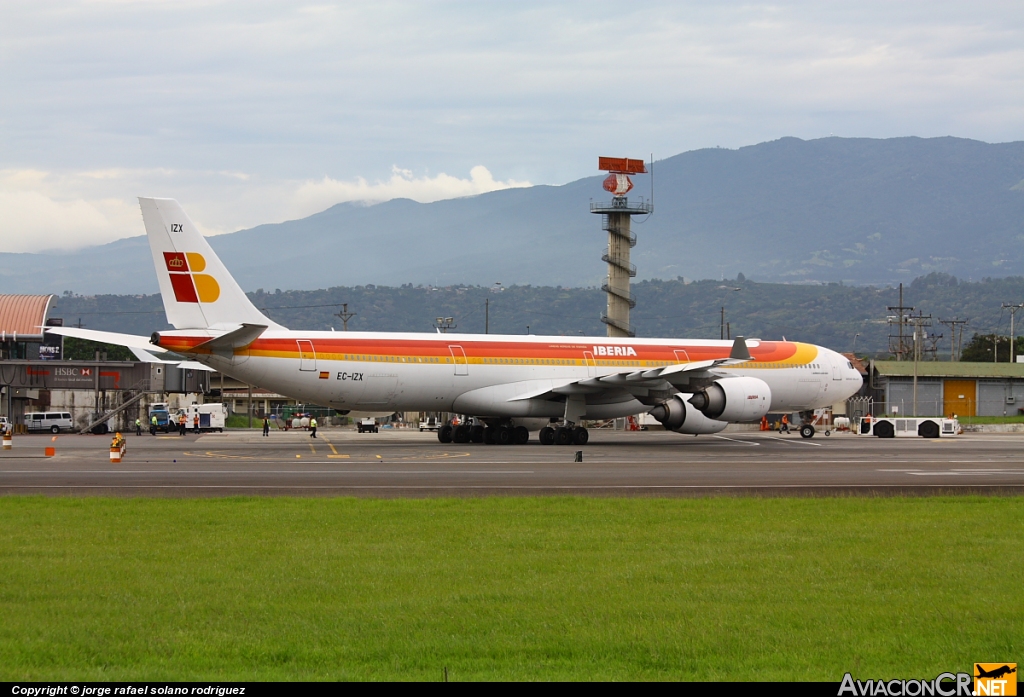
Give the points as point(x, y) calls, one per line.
point(511, 384)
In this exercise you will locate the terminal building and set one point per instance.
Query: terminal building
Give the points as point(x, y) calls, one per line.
point(35, 377)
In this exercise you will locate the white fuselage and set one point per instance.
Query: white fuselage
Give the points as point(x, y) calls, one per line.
point(484, 374)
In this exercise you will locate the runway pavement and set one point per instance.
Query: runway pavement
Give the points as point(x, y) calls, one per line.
point(653, 463)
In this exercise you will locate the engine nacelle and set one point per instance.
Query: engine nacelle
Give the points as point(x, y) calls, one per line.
point(734, 399)
point(676, 415)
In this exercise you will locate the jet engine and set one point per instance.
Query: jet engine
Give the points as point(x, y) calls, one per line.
point(676, 415)
point(734, 399)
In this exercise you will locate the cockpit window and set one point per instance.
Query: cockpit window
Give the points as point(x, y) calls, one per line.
point(849, 364)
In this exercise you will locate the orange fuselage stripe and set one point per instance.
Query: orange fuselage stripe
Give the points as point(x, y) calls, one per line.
point(783, 353)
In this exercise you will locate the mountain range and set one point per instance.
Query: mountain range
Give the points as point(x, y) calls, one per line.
point(850, 210)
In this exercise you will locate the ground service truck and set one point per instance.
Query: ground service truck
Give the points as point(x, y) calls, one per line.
point(211, 416)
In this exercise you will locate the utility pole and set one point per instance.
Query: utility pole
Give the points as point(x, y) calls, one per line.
point(919, 322)
point(345, 316)
point(722, 323)
point(954, 325)
point(901, 319)
point(487, 315)
point(1013, 311)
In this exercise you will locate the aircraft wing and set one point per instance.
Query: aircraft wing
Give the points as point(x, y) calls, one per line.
point(677, 375)
point(129, 340)
point(147, 357)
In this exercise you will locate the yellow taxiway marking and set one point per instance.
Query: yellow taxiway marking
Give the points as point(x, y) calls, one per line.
point(312, 448)
point(336, 456)
point(331, 445)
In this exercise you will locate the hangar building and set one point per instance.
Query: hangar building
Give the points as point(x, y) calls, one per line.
point(944, 388)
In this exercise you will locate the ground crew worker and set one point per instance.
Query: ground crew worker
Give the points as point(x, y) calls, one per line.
point(181, 424)
point(785, 424)
point(312, 427)
point(152, 425)
point(195, 422)
point(266, 426)
point(138, 426)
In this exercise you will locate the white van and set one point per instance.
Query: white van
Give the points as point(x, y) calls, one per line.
point(52, 421)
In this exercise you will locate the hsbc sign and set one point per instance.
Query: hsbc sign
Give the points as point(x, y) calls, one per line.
point(51, 375)
point(72, 373)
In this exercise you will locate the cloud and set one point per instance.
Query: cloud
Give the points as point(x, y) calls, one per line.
point(46, 211)
point(313, 196)
point(42, 221)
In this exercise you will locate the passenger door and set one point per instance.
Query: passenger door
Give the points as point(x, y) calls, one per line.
point(307, 356)
point(460, 359)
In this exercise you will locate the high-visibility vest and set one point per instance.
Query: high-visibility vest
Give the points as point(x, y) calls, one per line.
point(312, 423)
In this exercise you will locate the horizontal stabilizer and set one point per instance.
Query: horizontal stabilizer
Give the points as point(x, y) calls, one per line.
point(147, 357)
point(129, 340)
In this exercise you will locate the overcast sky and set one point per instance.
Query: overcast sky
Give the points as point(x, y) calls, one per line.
point(253, 112)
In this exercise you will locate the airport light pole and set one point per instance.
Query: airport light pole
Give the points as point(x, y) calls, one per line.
point(1013, 311)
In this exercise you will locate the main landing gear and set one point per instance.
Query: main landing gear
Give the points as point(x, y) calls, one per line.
point(507, 434)
point(500, 434)
point(564, 435)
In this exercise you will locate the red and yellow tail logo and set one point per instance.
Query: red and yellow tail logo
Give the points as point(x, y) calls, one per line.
point(191, 286)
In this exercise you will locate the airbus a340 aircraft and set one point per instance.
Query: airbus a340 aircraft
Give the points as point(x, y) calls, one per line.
point(513, 384)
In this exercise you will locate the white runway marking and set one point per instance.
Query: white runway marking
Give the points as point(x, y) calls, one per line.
point(953, 472)
point(802, 441)
point(736, 440)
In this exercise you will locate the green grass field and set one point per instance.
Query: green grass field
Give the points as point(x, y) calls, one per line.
point(507, 588)
point(1009, 419)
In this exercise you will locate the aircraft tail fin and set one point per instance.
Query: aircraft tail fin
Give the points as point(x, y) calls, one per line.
point(197, 290)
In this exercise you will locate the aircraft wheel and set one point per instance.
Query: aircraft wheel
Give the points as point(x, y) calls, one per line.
point(580, 436)
point(520, 435)
point(461, 434)
point(807, 431)
point(503, 436)
point(476, 434)
point(444, 434)
point(489, 435)
point(827, 433)
point(547, 436)
point(563, 436)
